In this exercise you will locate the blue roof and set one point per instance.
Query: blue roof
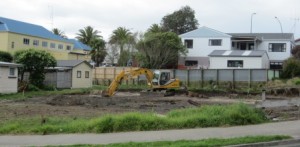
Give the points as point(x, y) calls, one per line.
point(9, 25)
point(204, 32)
point(79, 45)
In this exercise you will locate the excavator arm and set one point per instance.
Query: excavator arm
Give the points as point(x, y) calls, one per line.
point(125, 75)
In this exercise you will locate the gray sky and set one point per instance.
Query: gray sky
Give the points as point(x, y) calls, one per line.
point(228, 16)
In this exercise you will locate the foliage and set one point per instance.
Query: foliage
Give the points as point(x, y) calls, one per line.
point(34, 62)
point(122, 37)
point(88, 35)
point(59, 32)
point(180, 21)
point(291, 68)
point(155, 28)
point(212, 142)
point(157, 50)
point(112, 53)
point(6, 56)
point(98, 51)
point(124, 58)
point(296, 52)
point(207, 116)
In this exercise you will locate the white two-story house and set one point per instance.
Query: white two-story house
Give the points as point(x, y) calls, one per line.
point(209, 48)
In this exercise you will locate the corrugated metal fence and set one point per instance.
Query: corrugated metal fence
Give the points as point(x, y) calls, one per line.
point(198, 78)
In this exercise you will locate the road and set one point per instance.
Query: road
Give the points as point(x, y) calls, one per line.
point(291, 128)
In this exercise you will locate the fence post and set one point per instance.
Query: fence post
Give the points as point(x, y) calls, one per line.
point(202, 72)
point(217, 78)
point(233, 78)
point(188, 77)
point(250, 78)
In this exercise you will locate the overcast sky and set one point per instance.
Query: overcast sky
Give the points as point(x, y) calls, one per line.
point(228, 16)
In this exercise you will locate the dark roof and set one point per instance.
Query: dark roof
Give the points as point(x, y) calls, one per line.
point(8, 64)
point(9, 25)
point(262, 36)
point(79, 45)
point(70, 63)
point(236, 53)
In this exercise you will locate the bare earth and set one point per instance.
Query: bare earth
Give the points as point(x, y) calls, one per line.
point(93, 105)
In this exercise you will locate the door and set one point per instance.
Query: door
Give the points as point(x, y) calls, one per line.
point(64, 79)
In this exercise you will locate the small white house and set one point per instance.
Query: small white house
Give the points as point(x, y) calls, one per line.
point(236, 59)
point(70, 74)
point(9, 77)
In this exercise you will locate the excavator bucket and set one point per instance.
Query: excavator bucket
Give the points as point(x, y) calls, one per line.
point(105, 93)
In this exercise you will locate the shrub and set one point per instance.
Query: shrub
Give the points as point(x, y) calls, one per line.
point(6, 56)
point(291, 68)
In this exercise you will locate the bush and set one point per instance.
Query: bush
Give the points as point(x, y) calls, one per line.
point(291, 68)
point(6, 56)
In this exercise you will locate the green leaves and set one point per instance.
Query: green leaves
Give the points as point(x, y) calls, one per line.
point(34, 62)
point(180, 21)
point(5, 56)
point(160, 50)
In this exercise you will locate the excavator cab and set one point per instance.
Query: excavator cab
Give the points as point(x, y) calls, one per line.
point(161, 77)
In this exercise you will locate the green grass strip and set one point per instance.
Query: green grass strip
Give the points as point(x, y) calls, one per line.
point(207, 116)
point(193, 143)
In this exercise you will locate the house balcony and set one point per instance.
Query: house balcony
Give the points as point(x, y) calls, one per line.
point(244, 42)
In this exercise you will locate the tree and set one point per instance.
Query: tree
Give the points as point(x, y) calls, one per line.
point(121, 37)
point(34, 62)
point(87, 35)
point(98, 51)
point(155, 28)
point(6, 56)
point(291, 68)
point(158, 50)
point(296, 51)
point(58, 32)
point(112, 53)
point(180, 21)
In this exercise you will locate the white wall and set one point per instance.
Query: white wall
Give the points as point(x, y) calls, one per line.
point(201, 46)
point(275, 55)
point(248, 62)
point(8, 84)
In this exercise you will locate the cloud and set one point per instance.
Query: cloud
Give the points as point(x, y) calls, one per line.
point(138, 15)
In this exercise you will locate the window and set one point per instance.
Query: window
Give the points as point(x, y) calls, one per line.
point(188, 43)
point(45, 44)
point(35, 42)
point(52, 45)
point(11, 72)
point(277, 47)
point(87, 74)
point(26, 41)
point(78, 74)
point(12, 44)
point(215, 42)
point(275, 65)
point(60, 46)
point(191, 63)
point(235, 63)
point(68, 47)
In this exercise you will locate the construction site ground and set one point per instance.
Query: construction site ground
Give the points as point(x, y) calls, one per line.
point(93, 105)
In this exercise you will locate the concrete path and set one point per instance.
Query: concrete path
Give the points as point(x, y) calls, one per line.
point(291, 128)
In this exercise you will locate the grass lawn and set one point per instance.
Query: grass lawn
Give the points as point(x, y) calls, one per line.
point(206, 116)
point(193, 143)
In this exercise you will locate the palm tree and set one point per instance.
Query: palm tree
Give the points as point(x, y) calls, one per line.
point(98, 52)
point(155, 28)
point(120, 36)
point(59, 32)
point(88, 34)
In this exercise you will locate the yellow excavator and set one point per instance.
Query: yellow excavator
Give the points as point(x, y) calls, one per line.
point(158, 81)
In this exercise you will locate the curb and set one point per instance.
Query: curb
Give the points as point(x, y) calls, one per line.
point(267, 144)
